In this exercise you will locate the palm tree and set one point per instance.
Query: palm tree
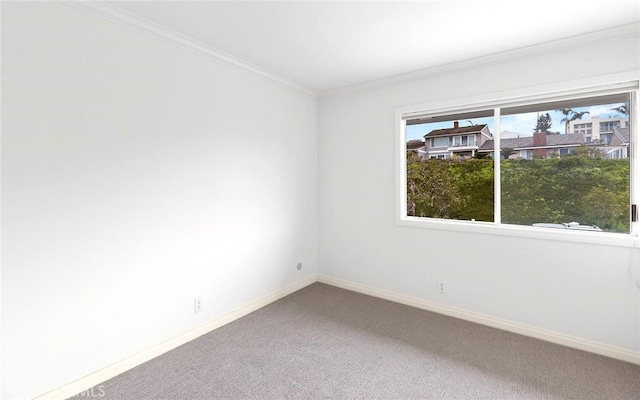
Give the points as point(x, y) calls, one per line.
point(505, 152)
point(565, 120)
point(578, 115)
point(570, 115)
point(623, 109)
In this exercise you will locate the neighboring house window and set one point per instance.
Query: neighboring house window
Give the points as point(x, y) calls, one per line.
point(459, 141)
point(463, 141)
point(526, 154)
point(555, 182)
point(440, 142)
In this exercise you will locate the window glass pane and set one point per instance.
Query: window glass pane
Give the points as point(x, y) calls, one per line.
point(561, 169)
point(448, 176)
point(440, 142)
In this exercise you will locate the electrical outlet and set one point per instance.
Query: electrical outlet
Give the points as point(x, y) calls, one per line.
point(441, 287)
point(197, 305)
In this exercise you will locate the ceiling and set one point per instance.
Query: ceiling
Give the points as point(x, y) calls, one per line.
point(323, 45)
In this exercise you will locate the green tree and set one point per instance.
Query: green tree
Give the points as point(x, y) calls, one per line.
point(605, 208)
point(432, 189)
point(570, 115)
point(588, 152)
point(578, 115)
point(452, 189)
point(579, 187)
point(566, 112)
point(574, 188)
point(475, 185)
point(505, 152)
point(623, 109)
point(543, 124)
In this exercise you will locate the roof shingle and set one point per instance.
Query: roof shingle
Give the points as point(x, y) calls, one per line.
point(569, 139)
point(456, 131)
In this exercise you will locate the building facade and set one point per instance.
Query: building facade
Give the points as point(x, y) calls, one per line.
point(597, 130)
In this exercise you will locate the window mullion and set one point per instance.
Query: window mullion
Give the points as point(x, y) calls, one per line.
point(634, 147)
point(496, 168)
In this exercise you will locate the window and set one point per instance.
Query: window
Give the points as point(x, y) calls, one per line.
point(440, 142)
point(608, 126)
point(546, 176)
point(526, 154)
point(582, 128)
point(460, 141)
point(446, 186)
point(471, 140)
point(466, 140)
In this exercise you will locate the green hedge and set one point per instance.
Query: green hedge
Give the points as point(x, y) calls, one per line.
point(573, 188)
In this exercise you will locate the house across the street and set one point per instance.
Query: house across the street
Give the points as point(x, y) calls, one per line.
point(540, 145)
point(458, 141)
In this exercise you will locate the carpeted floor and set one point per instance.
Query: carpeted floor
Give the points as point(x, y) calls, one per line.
point(327, 343)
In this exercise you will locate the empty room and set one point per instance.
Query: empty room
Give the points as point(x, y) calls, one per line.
point(320, 200)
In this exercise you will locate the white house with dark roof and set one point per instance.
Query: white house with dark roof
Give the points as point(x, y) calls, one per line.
point(455, 142)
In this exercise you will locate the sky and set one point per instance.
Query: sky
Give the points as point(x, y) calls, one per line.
point(518, 123)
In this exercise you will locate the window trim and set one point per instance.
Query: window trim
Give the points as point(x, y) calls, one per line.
point(623, 82)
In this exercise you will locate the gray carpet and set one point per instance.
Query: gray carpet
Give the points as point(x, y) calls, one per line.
point(327, 343)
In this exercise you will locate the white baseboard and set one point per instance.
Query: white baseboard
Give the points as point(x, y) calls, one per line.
point(515, 327)
point(113, 370)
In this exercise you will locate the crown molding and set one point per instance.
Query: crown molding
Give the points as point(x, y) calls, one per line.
point(589, 39)
point(160, 32)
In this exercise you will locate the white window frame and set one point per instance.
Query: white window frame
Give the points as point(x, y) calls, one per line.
point(624, 82)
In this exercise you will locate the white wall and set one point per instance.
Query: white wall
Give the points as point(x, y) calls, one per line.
point(137, 175)
point(586, 291)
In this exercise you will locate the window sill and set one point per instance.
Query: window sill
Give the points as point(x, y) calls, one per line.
point(598, 238)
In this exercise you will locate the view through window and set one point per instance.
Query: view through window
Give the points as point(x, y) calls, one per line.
point(562, 164)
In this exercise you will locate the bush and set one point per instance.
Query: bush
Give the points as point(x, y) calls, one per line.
point(588, 190)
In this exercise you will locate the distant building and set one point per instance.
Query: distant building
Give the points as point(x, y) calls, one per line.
point(597, 130)
point(540, 145)
point(458, 141)
point(610, 136)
